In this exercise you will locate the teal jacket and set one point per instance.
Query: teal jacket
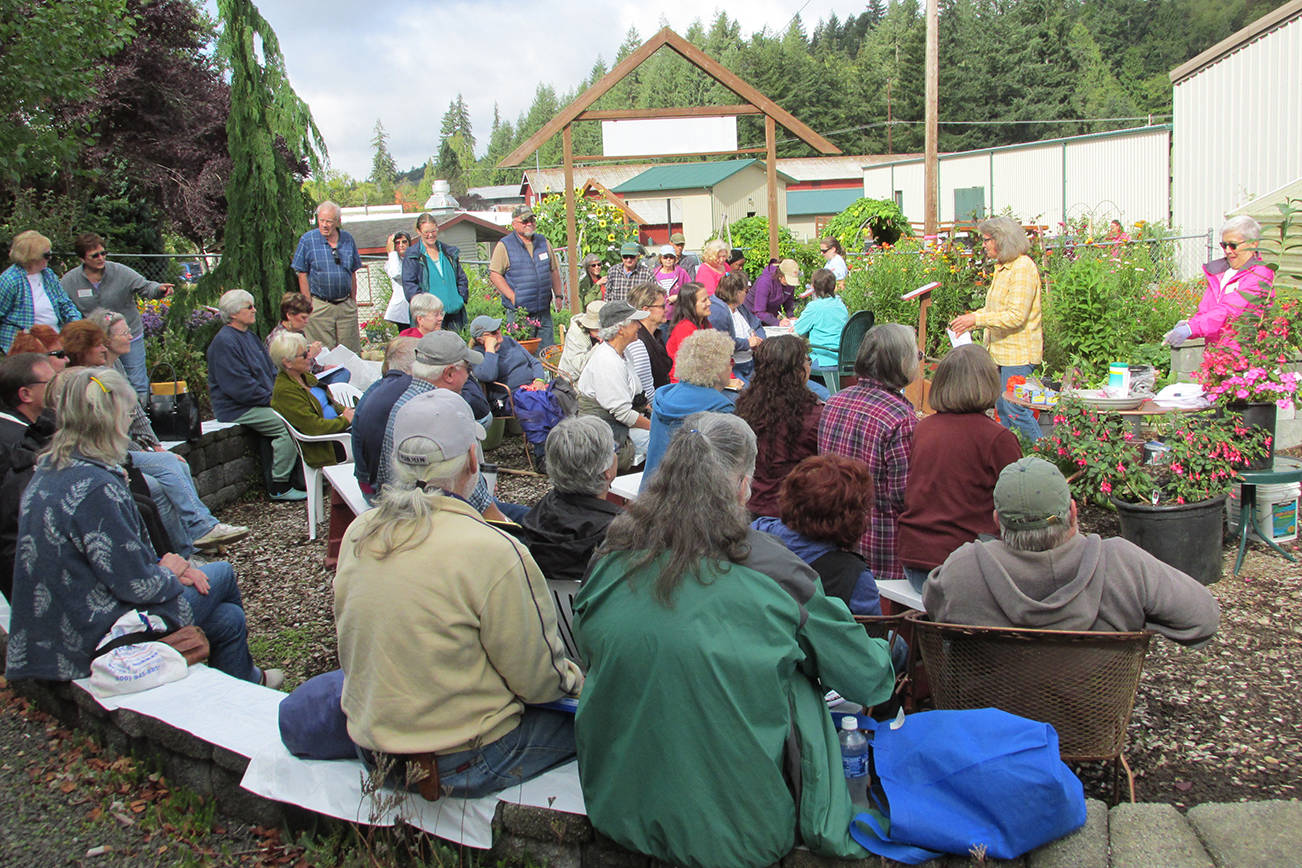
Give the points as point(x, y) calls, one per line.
point(690, 714)
point(823, 320)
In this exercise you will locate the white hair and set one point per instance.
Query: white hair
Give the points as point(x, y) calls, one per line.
point(232, 302)
point(1243, 226)
point(285, 345)
point(327, 205)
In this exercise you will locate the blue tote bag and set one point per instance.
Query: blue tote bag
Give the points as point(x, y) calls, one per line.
point(951, 781)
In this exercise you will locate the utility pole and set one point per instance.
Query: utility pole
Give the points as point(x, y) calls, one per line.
point(930, 167)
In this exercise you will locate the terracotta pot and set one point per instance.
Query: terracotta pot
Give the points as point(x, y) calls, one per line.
point(531, 345)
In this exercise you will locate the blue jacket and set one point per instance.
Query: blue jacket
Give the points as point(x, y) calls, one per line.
point(240, 374)
point(369, 421)
point(530, 278)
point(674, 403)
point(413, 269)
point(84, 560)
point(864, 600)
point(16, 311)
point(511, 364)
point(721, 319)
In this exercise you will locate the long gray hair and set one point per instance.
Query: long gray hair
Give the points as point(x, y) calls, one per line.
point(93, 408)
point(691, 507)
point(406, 507)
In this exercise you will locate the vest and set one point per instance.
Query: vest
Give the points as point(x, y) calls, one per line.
point(529, 277)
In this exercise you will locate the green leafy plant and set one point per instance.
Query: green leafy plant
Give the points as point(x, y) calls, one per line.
point(1105, 459)
point(880, 219)
point(751, 236)
point(602, 227)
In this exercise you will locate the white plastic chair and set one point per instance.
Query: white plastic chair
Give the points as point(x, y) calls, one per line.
point(312, 477)
point(345, 393)
point(563, 592)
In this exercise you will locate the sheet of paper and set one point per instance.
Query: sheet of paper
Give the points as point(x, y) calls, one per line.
point(958, 340)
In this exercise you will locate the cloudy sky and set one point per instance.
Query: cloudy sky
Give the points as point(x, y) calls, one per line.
point(403, 62)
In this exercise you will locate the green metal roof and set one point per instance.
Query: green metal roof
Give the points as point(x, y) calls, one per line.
point(688, 176)
point(821, 202)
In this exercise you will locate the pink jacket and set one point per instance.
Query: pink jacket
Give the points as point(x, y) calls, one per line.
point(1221, 305)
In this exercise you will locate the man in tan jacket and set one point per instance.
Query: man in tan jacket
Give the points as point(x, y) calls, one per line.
point(446, 626)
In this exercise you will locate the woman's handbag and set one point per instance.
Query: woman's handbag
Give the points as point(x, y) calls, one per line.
point(960, 781)
point(172, 410)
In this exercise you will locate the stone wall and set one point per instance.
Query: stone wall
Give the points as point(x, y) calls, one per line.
point(224, 463)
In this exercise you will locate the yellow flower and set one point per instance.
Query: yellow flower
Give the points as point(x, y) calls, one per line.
point(610, 237)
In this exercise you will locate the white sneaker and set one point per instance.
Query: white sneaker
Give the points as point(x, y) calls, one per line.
point(222, 533)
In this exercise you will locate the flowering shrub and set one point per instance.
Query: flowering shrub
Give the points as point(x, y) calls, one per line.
point(522, 329)
point(377, 332)
point(1104, 458)
point(1251, 368)
point(153, 314)
point(601, 226)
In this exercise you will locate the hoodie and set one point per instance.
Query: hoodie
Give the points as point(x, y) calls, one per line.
point(861, 599)
point(671, 406)
point(1086, 583)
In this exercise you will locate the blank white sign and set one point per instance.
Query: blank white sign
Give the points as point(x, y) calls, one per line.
point(668, 136)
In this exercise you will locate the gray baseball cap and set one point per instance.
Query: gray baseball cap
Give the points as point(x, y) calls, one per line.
point(434, 426)
point(615, 312)
point(483, 324)
point(1031, 493)
point(444, 348)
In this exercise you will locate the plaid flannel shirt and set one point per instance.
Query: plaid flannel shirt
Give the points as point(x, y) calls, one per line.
point(619, 281)
point(1011, 316)
point(17, 313)
point(875, 425)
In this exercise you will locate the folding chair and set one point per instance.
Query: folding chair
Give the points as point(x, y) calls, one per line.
point(851, 336)
point(312, 475)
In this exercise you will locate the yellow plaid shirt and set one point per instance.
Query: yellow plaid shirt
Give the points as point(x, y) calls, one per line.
point(1011, 317)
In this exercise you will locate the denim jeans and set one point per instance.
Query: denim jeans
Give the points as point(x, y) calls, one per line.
point(543, 740)
point(179, 505)
point(915, 576)
point(220, 614)
point(133, 362)
point(1013, 416)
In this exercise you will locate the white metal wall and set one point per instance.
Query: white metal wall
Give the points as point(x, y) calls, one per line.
point(1126, 176)
point(1238, 128)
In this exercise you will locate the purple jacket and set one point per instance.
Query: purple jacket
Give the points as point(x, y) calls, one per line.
point(769, 298)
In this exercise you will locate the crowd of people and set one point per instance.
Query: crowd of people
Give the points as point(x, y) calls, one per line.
point(768, 512)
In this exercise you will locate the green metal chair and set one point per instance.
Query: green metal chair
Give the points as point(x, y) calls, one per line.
point(851, 336)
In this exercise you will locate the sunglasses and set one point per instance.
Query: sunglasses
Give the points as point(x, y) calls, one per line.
point(338, 261)
point(58, 354)
point(1230, 245)
point(825, 249)
point(45, 255)
point(529, 221)
point(99, 254)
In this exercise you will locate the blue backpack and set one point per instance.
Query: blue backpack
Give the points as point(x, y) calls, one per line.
point(537, 412)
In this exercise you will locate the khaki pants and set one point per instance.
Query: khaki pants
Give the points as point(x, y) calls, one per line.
point(334, 324)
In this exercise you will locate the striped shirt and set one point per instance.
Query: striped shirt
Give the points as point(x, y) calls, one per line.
point(1011, 316)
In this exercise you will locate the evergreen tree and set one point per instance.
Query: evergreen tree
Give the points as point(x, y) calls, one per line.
point(383, 170)
point(273, 144)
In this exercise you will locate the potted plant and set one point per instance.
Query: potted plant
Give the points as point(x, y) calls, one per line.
point(522, 330)
point(1168, 485)
point(1249, 374)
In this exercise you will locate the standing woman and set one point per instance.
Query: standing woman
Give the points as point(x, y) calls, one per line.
point(873, 422)
point(30, 293)
point(835, 256)
point(434, 267)
point(957, 456)
point(100, 283)
point(691, 313)
point(714, 264)
point(1234, 283)
point(669, 275)
point(397, 312)
point(1011, 316)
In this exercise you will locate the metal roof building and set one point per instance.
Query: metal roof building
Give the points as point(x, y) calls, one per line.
point(806, 208)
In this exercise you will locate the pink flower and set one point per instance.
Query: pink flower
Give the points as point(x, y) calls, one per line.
point(1105, 487)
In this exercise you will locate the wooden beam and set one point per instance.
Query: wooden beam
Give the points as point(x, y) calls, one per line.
point(771, 181)
point(571, 223)
point(647, 114)
point(604, 192)
point(592, 158)
point(691, 54)
point(931, 165)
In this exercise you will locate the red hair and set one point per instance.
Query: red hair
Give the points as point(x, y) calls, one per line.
point(827, 497)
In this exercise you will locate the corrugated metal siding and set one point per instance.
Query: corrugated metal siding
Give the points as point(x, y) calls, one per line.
point(1123, 178)
point(1238, 129)
point(1263, 210)
point(1029, 181)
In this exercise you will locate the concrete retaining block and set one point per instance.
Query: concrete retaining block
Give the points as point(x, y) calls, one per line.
point(1087, 847)
point(1251, 833)
point(1154, 836)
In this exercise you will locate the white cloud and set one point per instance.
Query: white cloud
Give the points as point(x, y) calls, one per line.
point(404, 63)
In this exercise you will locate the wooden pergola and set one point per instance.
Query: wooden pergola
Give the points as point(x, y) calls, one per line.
point(755, 103)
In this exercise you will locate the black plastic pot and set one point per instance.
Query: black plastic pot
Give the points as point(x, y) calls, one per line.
point(1188, 536)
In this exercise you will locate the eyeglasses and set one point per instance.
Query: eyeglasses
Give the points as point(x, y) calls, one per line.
point(335, 250)
point(655, 306)
point(98, 254)
point(921, 355)
point(825, 249)
point(36, 383)
point(247, 307)
point(302, 355)
point(629, 256)
point(1230, 245)
point(528, 221)
point(58, 354)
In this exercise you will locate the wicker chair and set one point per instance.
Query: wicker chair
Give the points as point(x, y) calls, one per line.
point(1083, 683)
point(893, 628)
point(551, 359)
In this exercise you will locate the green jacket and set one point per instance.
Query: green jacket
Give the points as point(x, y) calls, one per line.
point(702, 733)
point(301, 410)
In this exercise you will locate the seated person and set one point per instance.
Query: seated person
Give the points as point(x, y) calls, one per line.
point(426, 315)
point(824, 505)
point(648, 354)
point(440, 663)
point(609, 387)
point(1043, 574)
point(570, 521)
point(709, 649)
point(730, 315)
point(73, 579)
point(505, 361)
point(691, 314)
point(240, 379)
point(371, 414)
point(822, 321)
point(304, 402)
point(295, 308)
point(23, 378)
point(580, 339)
point(704, 372)
point(773, 295)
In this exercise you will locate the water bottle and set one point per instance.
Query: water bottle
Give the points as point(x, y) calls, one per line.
point(854, 761)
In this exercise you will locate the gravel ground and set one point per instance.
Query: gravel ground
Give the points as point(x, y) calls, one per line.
point(1218, 723)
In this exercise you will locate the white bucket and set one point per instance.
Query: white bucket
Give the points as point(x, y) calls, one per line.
point(1276, 510)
